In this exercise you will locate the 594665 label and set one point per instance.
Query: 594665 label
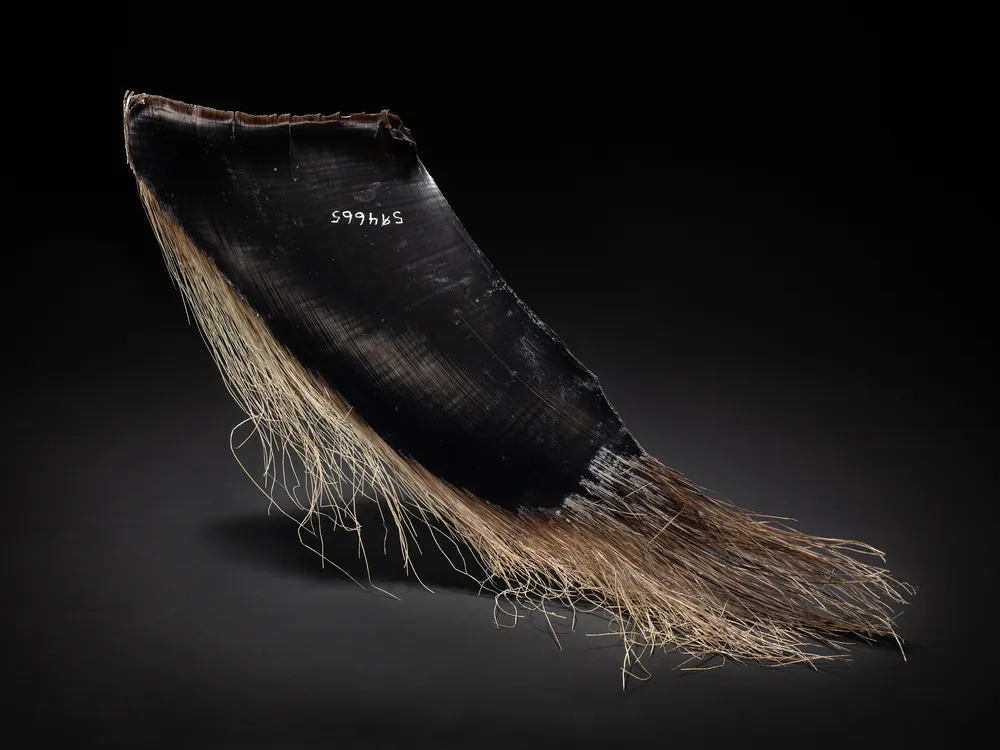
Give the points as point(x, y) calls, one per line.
point(360, 218)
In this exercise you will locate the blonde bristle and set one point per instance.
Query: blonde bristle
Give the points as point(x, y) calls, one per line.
point(668, 564)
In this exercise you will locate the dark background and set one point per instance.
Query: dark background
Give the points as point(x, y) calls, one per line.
point(766, 236)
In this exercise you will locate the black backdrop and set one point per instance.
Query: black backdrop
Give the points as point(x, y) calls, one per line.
point(766, 236)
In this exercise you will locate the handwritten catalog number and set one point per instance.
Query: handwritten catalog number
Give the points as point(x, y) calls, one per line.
point(359, 217)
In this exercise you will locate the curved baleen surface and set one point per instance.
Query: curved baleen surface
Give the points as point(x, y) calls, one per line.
point(387, 342)
point(335, 233)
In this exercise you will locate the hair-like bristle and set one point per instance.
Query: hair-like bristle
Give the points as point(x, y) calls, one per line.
point(669, 564)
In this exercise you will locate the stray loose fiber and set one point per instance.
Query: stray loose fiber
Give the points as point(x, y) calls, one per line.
point(669, 564)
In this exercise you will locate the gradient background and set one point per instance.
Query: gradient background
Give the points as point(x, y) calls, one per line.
point(765, 238)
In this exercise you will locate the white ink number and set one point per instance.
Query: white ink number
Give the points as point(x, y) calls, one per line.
point(359, 216)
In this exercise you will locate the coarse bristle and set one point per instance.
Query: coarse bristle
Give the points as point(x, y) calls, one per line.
point(670, 565)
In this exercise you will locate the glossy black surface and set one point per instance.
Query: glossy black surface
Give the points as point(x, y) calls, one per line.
point(335, 232)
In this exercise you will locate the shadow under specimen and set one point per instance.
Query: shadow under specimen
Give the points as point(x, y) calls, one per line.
point(270, 541)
